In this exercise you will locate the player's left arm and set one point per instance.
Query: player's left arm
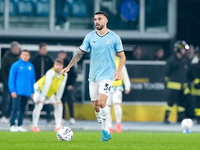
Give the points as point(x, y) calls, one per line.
point(74, 60)
point(126, 80)
point(61, 88)
point(122, 57)
point(47, 83)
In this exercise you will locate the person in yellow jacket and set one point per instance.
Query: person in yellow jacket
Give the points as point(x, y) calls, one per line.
point(194, 79)
point(115, 97)
point(176, 80)
point(49, 90)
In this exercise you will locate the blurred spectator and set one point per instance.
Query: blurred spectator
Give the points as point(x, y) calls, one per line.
point(61, 18)
point(176, 78)
point(159, 54)
point(191, 55)
point(20, 83)
point(137, 53)
point(69, 87)
point(42, 62)
point(1, 91)
point(190, 95)
point(49, 89)
point(8, 59)
point(194, 80)
point(115, 97)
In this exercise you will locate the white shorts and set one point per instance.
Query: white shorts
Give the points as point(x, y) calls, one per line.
point(97, 87)
point(115, 97)
point(37, 97)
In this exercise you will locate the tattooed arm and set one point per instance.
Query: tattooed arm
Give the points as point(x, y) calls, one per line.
point(74, 60)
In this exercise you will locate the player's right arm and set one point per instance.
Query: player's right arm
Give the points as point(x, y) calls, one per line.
point(74, 60)
point(12, 80)
point(83, 48)
point(126, 80)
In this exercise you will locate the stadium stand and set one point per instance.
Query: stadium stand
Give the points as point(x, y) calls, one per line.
point(12, 7)
point(25, 7)
point(42, 8)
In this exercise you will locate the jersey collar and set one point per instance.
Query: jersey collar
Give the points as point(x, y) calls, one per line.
point(102, 35)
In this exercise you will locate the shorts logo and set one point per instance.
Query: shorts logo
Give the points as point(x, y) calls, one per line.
point(107, 87)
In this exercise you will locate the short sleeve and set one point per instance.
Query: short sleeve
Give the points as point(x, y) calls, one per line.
point(86, 44)
point(119, 46)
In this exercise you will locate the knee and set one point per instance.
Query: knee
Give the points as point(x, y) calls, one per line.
point(117, 107)
point(102, 104)
point(60, 103)
point(38, 106)
point(96, 108)
point(57, 104)
point(15, 108)
point(39, 102)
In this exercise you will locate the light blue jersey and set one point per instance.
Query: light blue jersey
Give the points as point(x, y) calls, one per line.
point(102, 54)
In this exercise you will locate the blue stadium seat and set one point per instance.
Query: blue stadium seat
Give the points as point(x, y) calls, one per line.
point(66, 11)
point(12, 7)
point(1, 7)
point(42, 8)
point(25, 7)
point(79, 9)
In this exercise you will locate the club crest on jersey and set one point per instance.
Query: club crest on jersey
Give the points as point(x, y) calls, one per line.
point(29, 67)
point(108, 41)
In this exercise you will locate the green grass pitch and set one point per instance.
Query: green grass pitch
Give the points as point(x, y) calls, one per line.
point(90, 140)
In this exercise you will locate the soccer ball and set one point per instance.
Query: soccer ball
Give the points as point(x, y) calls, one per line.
point(186, 125)
point(65, 134)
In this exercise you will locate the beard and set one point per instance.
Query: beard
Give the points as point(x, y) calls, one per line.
point(99, 27)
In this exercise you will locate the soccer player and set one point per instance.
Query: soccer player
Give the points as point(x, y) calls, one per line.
point(115, 97)
point(103, 44)
point(49, 90)
point(20, 82)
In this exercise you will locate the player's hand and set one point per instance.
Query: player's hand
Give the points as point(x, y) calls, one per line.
point(32, 96)
point(14, 95)
point(127, 91)
point(70, 87)
point(118, 75)
point(65, 70)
